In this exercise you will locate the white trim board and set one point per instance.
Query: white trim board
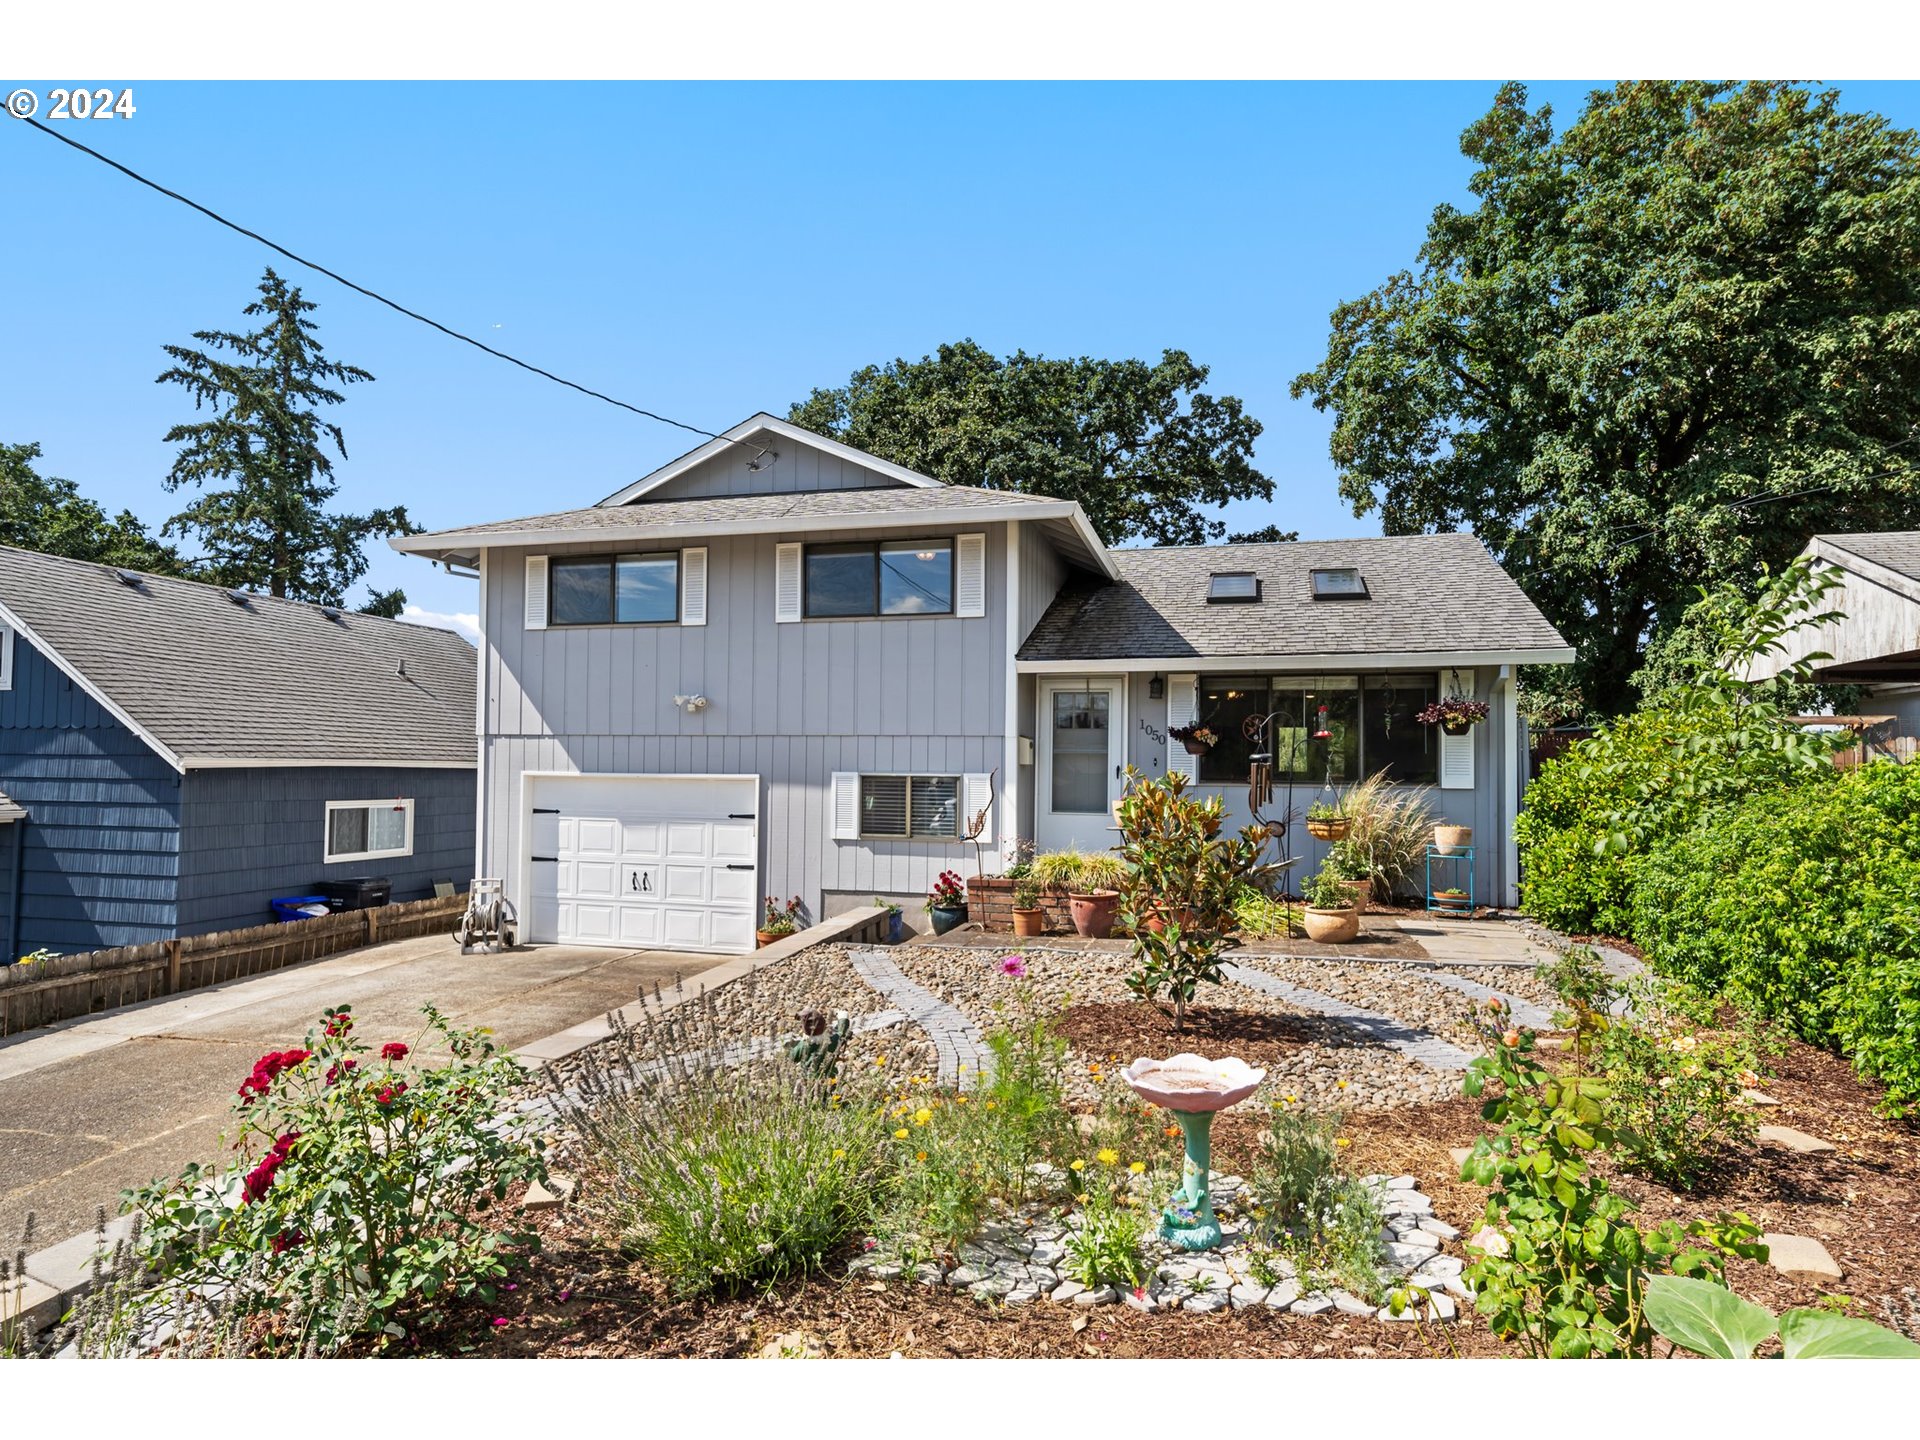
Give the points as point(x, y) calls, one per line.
point(318, 762)
point(765, 424)
point(1237, 664)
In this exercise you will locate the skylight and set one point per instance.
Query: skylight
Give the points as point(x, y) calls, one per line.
point(1346, 584)
point(1233, 587)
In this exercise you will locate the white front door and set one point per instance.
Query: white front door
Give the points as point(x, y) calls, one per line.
point(1081, 761)
point(644, 861)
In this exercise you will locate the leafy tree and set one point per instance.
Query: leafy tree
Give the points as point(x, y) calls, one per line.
point(1142, 447)
point(1668, 345)
point(269, 530)
point(48, 514)
point(1265, 535)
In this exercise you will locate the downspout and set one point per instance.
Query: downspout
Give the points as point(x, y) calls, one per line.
point(1509, 783)
point(1009, 808)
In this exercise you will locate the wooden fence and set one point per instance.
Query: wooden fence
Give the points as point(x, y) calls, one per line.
point(71, 985)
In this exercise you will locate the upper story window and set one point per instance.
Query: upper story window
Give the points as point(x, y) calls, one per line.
point(1238, 586)
point(888, 577)
point(616, 590)
point(1342, 584)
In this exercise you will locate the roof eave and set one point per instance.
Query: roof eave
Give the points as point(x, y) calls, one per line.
point(1346, 660)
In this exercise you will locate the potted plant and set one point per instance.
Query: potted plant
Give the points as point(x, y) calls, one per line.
point(1329, 916)
point(947, 902)
point(896, 921)
point(1456, 714)
point(1093, 897)
point(779, 921)
point(1326, 822)
point(1452, 839)
point(1197, 738)
point(1452, 898)
point(1029, 919)
point(1350, 863)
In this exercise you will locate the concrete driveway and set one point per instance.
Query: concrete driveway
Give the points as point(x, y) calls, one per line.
point(90, 1106)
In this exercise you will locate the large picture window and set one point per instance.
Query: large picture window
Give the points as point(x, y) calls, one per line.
point(368, 829)
point(616, 590)
point(1324, 726)
point(891, 577)
point(910, 807)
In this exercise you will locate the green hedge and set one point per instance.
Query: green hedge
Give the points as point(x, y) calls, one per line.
point(1803, 903)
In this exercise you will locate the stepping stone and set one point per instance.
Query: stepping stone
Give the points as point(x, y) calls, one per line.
point(1460, 1154)
point(1311, 1305)
point(1105, 1295)
point(539, 1197)
point(1797, 1141)
point(1282, 1295)
point(1801, 1257)
point(1066, 1290)
point(1758, 1097)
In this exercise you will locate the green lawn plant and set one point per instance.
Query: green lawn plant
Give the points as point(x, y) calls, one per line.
point(373, 1179)
point(1103, 1242)
point(1319, 1215)
point(1713, 1322)
point(1186, 876)
point(1565, 1272)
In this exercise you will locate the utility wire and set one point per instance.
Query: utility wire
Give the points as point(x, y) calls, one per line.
point(315, 265)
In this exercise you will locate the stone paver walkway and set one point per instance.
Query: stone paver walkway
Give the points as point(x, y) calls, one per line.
point(1414, 1043)
point(956, 1040)
point(1533, 1016)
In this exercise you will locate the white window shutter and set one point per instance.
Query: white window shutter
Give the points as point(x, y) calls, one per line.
point(846, 805)
point(976, 794)
point(6, 656)
point(536, 592)
point(1456, 753)
point(1183, 707)
point(786, 583)
point(970, 585)
point(693, 586)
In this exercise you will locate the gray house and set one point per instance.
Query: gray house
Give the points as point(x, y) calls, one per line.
point(780, 666)
point(1877, 644)
point(175, 755)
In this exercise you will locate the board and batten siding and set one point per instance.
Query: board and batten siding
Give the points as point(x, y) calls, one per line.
point(251, 835)
point(101, 860)
point(792, 703)
point(800, 469)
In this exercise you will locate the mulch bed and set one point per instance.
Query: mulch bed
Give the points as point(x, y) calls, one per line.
point(1126, 1029)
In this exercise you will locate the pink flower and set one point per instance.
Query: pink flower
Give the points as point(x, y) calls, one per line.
point(1013, 965)
point(500, 1320)
point(565, 1295)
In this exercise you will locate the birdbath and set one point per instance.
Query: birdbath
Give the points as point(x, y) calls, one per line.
point(1193, 1088)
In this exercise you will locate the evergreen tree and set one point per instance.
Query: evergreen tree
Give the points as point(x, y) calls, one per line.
point(268, 528)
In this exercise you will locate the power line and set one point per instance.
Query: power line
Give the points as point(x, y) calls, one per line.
point(1742, 504)
point(334, 275)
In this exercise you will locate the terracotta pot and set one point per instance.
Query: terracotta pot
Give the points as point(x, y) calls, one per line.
point(1329, 829)
point(1330, 927)
point(1157, 920)
point(1028, 923)
point(767, 937)
point(1362, 892)
point(946, 917)
point(1452, 839)
point(1093, 912)
point(1450, 900)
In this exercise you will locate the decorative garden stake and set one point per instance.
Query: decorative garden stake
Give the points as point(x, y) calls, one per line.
point(1193, 1088)
point(817, 1051)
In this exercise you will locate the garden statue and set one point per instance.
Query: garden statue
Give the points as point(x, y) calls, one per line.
point(817, 1051)
point(1193, 1088)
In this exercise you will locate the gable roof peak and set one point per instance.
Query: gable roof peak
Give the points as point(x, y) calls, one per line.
point(763, 423)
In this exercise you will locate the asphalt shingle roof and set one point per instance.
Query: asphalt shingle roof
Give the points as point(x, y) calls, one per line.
point(1896, 549)
point(1428, 593)
point(268, 680)
point(818, 507)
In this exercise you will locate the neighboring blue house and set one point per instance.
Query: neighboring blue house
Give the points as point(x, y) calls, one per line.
point(174, 755)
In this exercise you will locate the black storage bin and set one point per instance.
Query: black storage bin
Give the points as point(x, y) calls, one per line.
point(364, 892)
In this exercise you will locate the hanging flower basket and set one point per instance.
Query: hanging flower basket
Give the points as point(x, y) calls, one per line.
point(1455, 715)
point(1325, 822)
point(1196, 739)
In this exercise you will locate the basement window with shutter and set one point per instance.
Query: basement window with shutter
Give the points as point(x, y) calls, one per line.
point(368, 829)
point(910, 807)
point(892, 577)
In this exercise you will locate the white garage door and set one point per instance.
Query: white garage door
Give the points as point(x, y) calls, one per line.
point(649, 861)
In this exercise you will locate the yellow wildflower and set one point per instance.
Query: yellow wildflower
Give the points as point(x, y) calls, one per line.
point(989, 1104)
point(922, 1155)
point(1078, 1165)
point(1108, 1157)
point(1138, 1167)
point(879, 1059)
point(1343, 1142)
point(900, 1134)
point(1343, 1084)
point(922, 1116)
point(839, 1154)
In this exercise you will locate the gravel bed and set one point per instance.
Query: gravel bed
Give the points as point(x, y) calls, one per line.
point(1375, 1077)
point(1402, 993)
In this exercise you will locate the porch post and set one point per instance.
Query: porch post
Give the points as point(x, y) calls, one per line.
point(1008, 808)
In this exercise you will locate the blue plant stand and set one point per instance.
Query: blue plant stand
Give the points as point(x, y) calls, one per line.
point(1450, 871)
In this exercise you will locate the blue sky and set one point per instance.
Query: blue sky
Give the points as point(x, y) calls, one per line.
point(705, 251)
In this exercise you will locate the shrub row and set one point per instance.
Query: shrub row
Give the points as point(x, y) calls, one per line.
point(1803, 904)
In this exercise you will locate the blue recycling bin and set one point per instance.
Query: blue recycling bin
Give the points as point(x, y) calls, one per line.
point(299, 907)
